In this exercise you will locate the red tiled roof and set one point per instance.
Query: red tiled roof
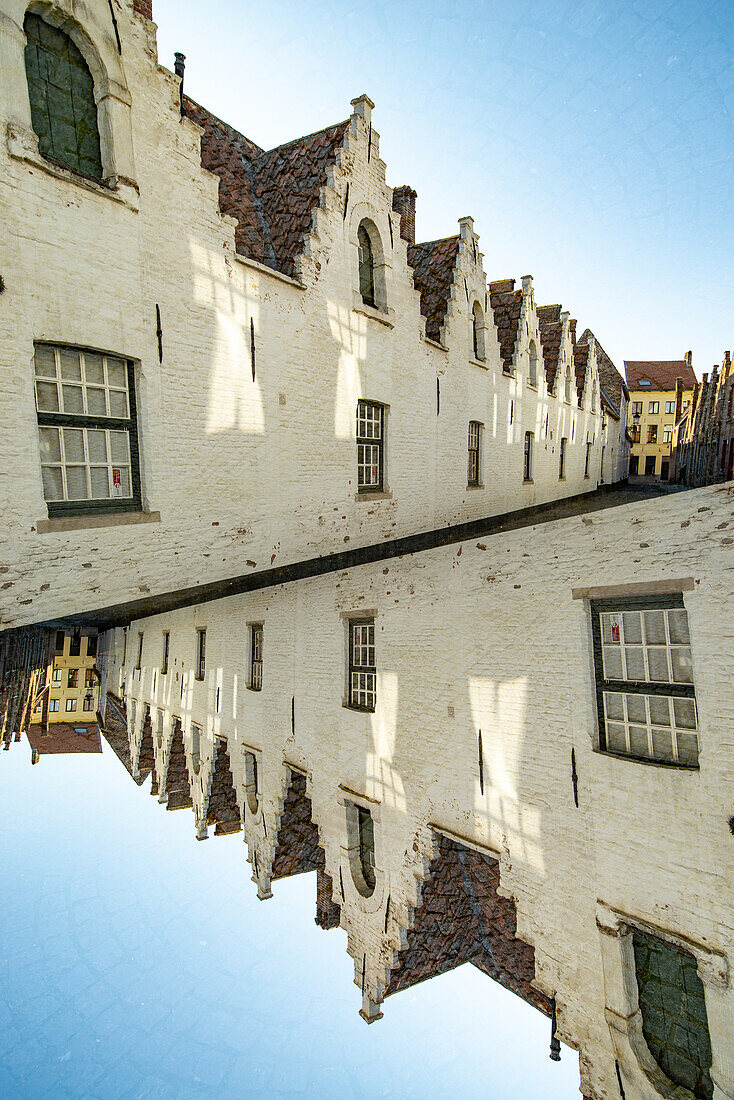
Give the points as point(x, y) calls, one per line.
point(433, 264)
point(64, 737)
point(506, 302)
point(551, 329)
point(222, 809)
point(609, 377)
point(271, 194)
point(661, 373)
point(580, 362)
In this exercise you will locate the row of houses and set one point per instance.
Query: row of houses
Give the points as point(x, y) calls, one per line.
point(704, 434)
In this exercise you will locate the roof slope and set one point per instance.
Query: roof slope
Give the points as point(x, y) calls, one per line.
point(660, 373)
point(551, 331)
point(580, 362)
point(271, 194)
point(433, 264)
point(611, 381)
point(506, 303)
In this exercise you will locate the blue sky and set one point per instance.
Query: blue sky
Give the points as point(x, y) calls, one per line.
point(136, 963)
point(591, 141)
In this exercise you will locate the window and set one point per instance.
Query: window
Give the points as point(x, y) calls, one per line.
point(53, 705)
point(89, 680)
point(71, 704)
point(637, 408)
point(56, 678)
point(92, 645)
point(644, 382)
point(87, 428)
point(61, 91)
point(593, 397)
point(673, 1008)
point(196, 748)
point(366, 266)
point(562, 459)
point(256, 657)
point(644, 679)
point(667, 435)
point(567, 386)
point(533, 364)
point(527, 467)
point(653, 407)
point(362, 687)
point(652, 433)
point(59, 646)
point(200, 654)
point(477, 327)
point(635, 433)
point(587, 460)
point(159, 728)
point(75, 645)
point(166, 647)
point(251, 782)
point(139, 660)
point(88, 703)
point(72, 679)
point(366, 828)
point(474, 471)
point(370, 445)
point(670, 407)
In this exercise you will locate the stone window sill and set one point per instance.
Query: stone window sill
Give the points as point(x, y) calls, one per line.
point(528, 481)
point(367, 495)
point(384, 316)
point(508, 373)
point(469, 488)
point(478, 363)
point(532, 387)
point(23, 145)
point(81, 523)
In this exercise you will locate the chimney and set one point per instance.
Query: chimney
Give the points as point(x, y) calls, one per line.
point(179, 68)
point(678, 398)
point(689, 358)
point(403, 202)
point(144, 8)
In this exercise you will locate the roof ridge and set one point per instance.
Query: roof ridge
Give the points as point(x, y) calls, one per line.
point(227, 125)
point(303, 137)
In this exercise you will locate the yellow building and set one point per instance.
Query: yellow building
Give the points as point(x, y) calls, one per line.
point(73, 695)
point(652, 411)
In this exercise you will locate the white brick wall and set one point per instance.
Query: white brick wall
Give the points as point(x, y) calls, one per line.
point(491, 629)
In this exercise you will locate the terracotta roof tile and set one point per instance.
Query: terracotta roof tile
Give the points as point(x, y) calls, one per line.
point(551, 331)
point(64, 737)
point(580, 362)
point(661, 373)
point(271, 194)
point(610, 380)
point(506, 303)
point(433, 264)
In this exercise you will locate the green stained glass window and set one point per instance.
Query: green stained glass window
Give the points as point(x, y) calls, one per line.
point(61, 89)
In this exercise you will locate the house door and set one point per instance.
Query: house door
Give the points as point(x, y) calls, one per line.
point(634, 464)
point(650, 465)
point(664, 467)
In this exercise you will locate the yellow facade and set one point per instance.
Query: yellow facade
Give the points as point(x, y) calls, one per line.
point(74, 692)
point(653, 431)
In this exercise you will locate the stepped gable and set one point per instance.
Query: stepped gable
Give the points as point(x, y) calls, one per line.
point(580, 362)
point(146, 756)
point(328, 912)
point(611, 383)
point(433, 264)
point(660, 373)
point(551, 330)
point(462, 918)
point(506, 303)
point(271, 194)
point(116, 735)
point(178, 786)
point(223, 811)
point(24, 656)
point(297, 848)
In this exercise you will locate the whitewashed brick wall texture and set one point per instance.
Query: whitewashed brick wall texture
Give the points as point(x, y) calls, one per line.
point(243, 472)
point(487, 635)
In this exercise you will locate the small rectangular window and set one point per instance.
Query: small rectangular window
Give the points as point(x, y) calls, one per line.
point(653, 407)
point(670, 407)
point(587, 460)
point(527, 468)
point(362, 686)
point(89, 680)
point(562, 459)
point(644, 679)
point(166, 644)
point(200, 654)
point(59, 647)
point(75, 645)
point(256, 657)
point(88, 703)
point(71, 704)
point(56, 677)
point(667, 435)
point(53, 705)
point(637, 408)
point(72, 680)
point(91, 645)
point(652, 433)
point(139, 661)
point(370, 445)
point(474, 468)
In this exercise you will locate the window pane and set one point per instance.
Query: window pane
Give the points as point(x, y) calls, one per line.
point(96, 404)
point(687, 748)
point(121, 481)
point(682, 666)
point(74, 444)
point(636, 711)
point(70, 365)
point(97, 446)
point(45, 362)
point(53, 488)
point(616, 741)
point(657, 662)
point(635, 663)
point(612, 664)
point(662, 745)
point(47, 397)
point(632, 628)
point(638, 741)
point(613, 705)
point(72, 398)
point(120, 447)
point(94, 368)
point(659, 710)
point(116, 373)
point(50, 445)
point(100, 482)
point(118, 404)
point(76, 482)
point(610, 629)
point(685, 713)
point(654, 628)
point(678, 626)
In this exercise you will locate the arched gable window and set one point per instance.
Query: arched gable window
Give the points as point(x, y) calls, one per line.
point(61, 91)
point(361, 837)
point(593, 397)
point(366, 266)
point(567, 386)
point(477, 323)
point(533, 368)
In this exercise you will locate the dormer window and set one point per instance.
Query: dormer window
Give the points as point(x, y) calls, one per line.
point(366, 267)
point(533, 364)
point(478, 349)
point(61, 92)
